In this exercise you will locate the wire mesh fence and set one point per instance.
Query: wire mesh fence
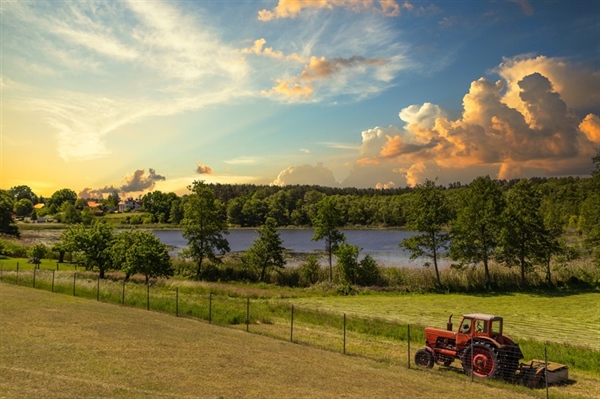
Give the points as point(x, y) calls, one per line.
point(476, 348)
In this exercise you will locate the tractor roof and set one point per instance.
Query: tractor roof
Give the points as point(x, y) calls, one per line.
point(482, 316)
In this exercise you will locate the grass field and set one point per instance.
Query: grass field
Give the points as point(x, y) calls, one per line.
point(59, 346)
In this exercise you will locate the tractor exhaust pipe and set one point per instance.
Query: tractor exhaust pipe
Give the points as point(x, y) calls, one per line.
point(449, 325)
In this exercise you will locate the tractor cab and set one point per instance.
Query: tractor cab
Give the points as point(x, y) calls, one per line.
point(478, 325)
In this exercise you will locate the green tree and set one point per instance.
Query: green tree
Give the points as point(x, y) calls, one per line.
point(93, 242)
point(523, 232)
point(8, 225)
point(36, 253)
point(363, 272)
point(552, 241)
point(176, 212)
point(70, 214)
point(310, 271)
point(136, 251)
point(21, 192)
point(23, 207)
point(326, 223)
point(476, 229)
point(61, 196)
point(204, 226)
point(266, 251)
point(112, 201)
point(429, 213)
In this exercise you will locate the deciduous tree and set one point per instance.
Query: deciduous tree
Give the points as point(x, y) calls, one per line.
point(476, 229)
point(266, 251)
point(523, 232)
point(204, 226)
point(94, 243)
point(326, 223)
point(136, 251)
point(428, 213)
point(8, 225)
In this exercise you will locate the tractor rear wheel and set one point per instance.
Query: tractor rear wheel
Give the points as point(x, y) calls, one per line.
point(481, 360)
point(424, 358)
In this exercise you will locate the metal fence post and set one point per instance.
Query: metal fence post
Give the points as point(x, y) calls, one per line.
point(98, 289)
point(52, 281)
point(17, 273)
point(292, 325)
point(546, 370)
point(148, 296)
point(123, 294)
point(74, 277)
point(344, 333)
point(176, 301)
point(247, 314)
point(33, 278)
point(210, 308)
point(408, 335)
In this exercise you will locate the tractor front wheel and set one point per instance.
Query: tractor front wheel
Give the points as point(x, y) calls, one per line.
point(481, 360)
point(424, 358)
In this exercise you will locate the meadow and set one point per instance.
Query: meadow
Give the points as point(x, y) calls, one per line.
point(379, 327)
point(57, 346)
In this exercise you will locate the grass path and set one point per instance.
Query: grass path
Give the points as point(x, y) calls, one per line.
point(59, 346)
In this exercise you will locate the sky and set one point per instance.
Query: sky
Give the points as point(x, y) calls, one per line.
point(134, 96)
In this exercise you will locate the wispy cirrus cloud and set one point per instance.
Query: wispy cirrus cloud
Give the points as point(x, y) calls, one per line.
point(111, 41)
point(292, 8)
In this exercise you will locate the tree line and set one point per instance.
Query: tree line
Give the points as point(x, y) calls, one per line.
point(517, 223)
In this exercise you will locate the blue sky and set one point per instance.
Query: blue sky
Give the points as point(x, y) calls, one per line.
point(150, 95)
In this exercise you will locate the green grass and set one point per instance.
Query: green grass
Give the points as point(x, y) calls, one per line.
point(57, 346)
point(561, 325)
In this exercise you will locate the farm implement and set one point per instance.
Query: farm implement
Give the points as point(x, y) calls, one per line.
point(485, 352)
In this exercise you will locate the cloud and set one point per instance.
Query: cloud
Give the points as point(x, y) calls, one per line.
point(292, 8)
point(242, 161)
point(335, 70)
point(306, 174)
point(507, 129)
point(98, 46)
point(136, 182)
point(382, 186)
point(525, 6)
point(203, 169)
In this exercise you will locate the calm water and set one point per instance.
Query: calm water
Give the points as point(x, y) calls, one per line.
point(382, 245)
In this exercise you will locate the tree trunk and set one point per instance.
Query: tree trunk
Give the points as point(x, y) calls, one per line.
point(101, 272)
point(61, 256)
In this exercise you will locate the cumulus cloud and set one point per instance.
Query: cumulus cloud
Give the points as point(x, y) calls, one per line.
point(203, 169)
point(507, 128)
point(306, 174)
point(292, 8)
point(136, 182)
point(139, 181)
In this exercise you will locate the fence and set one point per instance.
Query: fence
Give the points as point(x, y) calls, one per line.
point(378, 339)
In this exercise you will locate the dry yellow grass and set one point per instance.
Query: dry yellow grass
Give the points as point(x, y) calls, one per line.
point(58, 346)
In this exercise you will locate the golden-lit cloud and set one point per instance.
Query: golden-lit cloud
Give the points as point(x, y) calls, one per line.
point(590, 126)
point(292, 8)
point(290, 89)
point(258, 48)
point(319, 69)
point(203, 169)
point(507, 128)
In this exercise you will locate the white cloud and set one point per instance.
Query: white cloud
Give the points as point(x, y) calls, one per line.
point(243, 161)
point(306, 174)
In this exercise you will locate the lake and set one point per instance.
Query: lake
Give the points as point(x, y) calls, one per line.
point(382, 245)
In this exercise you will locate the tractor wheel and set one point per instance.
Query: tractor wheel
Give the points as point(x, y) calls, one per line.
point(448, 362)
point(424, 358)
point(481, 360)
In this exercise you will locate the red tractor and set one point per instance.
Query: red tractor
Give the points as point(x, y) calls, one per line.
point(479, 344)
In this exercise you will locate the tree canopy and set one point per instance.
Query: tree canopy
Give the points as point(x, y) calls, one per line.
point(266, 251)
point(204, 226)
point(429, 213)
point(326, 222)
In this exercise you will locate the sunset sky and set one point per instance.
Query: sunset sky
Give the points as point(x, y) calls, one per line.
point(140, 95)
